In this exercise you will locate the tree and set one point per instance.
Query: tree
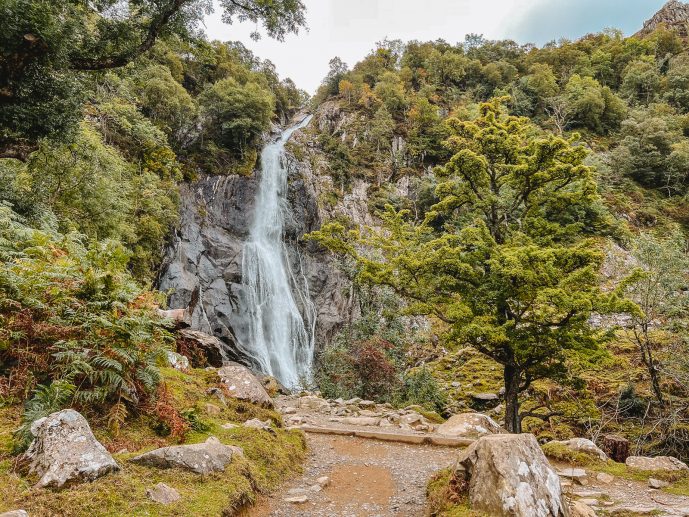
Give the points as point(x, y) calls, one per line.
point(641, 82)
point(235, 115)
point(593, 106)
point(501, 259)
point(657, 286)
point(47, 45)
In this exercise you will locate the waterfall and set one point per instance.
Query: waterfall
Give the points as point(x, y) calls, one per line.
point(280, 336)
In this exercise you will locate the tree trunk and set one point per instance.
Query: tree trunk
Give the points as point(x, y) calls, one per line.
point(512, 421)
point(616, 447)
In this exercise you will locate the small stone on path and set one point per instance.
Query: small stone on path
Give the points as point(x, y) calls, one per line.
point(300, 499)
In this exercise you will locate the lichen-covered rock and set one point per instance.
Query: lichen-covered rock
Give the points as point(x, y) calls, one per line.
point(177, 361)
point(469, 425)
point(163, 494)
point(509, 476)
point(64, 451)
point(657, 463)
point(201, 458)
point(584, 446)
point(243, 385)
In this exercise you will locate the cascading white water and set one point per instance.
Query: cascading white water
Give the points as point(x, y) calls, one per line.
point(281, 342)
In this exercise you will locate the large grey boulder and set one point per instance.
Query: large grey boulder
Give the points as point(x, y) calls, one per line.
point(243, 385)
point(201, 458)
point(658, 463)
point(64, 451)
point(469, 425)
point(508, 475)
point(584, 446)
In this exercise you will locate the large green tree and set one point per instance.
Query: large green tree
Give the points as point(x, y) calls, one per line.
point(502, 259)
point(48, 46)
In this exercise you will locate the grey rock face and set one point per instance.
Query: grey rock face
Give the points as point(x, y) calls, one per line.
point(673, 15)
point(201, 458)
point(64, 451)
point(203, 266)
point(509, 476)
point(243, 385)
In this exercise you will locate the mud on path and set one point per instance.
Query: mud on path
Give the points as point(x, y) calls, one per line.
point(367, 478)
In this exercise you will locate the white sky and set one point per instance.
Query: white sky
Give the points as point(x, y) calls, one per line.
point(350, 28)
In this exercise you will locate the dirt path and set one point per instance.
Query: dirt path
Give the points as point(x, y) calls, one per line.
point(367, 478)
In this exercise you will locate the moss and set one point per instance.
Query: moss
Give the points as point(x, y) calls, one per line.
point(560, 452)
point(443, 500)
point(268, 460)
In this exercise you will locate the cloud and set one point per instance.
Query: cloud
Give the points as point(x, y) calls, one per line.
point(548, 20)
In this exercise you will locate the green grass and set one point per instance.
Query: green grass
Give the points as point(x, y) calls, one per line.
point(269, 459)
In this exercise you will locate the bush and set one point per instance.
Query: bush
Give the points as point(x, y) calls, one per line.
point(421, 388)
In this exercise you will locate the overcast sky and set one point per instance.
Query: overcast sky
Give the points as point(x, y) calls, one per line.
point(350, 28)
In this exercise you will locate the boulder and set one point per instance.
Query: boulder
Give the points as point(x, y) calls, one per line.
point(508, 475)
point(584, 446)
point(414, 421)
point(201, 458)
point(15, 513)
point(469, 425)
point(580, 509)
point(255, 423)
point(658, 463)
point(212, 348)
point(657, 484)
point(604, 477)
point(64, 451)
point(243, 385)
point(177, 361)
point(313, 403)
point(163, 494)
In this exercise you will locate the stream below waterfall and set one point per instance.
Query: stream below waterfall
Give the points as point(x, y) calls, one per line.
point(282, 317)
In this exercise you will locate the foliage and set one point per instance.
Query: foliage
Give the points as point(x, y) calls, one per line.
point(508, 271)
point(75, 329)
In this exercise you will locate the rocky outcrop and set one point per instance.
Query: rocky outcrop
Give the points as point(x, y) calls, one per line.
point(508, 475)
point(657, 464)
point(469, 425)
point(211, 348)
point(202, 269)
point(201, 458)
point(243, 385)
point(64, 451)
point(673, 15)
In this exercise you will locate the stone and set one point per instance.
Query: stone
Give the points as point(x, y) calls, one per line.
point(15, 513)
point(509, 476)
point(64, 451)
point(353, 402)
point(455, 384)
point(657, 463)
point(255, 423)
point(313, 403)
point(243, 385)
point(323, 481)
point(213, 349)
point(177, 361)
point(657, 484)
point(288, 410)
point(581, 509)
point(575, 474)
point(315, 488)
point(299, 499)
point(163, 494)
point(201, 458)
point(469, 425)
point(212, 409)
point(360, 420)
point(604, 477)
point(229, 426)
point(414, 421)
point(366, 404)
point(485, 397)
point(585, 446)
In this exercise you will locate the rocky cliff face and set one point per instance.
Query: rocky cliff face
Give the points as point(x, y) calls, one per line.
point(674, 15)
point(203, 266)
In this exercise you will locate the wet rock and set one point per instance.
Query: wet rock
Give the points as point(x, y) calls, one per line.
point(163, 494)
point(64, 451)
point(243, 385)
point(201, 458)
point(469, 425)
point(657, 463)
point(508, 475)
point(584, 446)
